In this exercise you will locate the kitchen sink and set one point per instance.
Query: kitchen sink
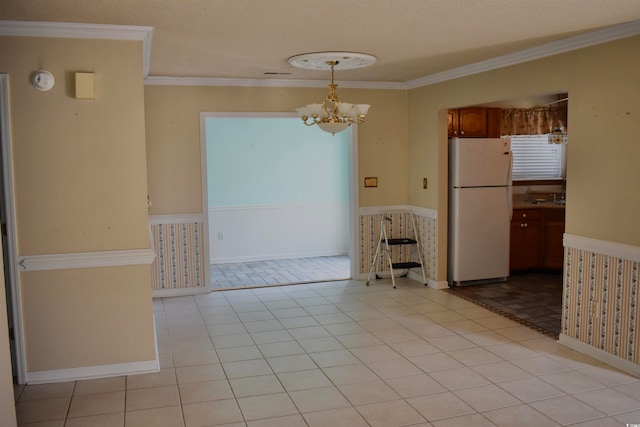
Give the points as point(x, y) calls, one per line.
point(545, 202)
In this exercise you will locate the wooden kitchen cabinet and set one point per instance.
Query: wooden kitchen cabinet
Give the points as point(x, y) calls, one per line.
point(536, 239)
point(526, 239)
point(452, 123)
point(475, 122)
point(494, 122)
point(553, 254)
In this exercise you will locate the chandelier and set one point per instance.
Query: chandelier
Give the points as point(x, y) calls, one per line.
point(332, 115)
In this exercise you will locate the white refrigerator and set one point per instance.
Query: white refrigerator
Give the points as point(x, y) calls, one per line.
point(480, 210)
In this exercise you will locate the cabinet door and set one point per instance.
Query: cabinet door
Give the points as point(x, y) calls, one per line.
point(526, 239)
point(532, 249)
point(452, 116)
point(516, 261)
point(526, 245)
point(494, 122)
point(553, 235)
point(472, 122)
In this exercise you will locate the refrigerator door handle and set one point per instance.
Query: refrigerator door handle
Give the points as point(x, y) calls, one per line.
point(510, 203)
point(510, 170)
point(510, 184)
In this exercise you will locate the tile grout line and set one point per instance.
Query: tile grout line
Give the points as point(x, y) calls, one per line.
point(379, 296)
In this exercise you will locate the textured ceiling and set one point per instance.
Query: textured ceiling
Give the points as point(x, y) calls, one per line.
point(411, 38)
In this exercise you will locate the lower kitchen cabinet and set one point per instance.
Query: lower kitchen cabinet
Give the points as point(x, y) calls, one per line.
point(526, 239)
point(553, 254)
point(536, 239)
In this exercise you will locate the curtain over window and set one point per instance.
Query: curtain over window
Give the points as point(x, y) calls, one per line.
point(533, 121)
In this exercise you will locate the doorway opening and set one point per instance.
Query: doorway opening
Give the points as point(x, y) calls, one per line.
point(532, 294)
point(9, 242)
point(280, 200)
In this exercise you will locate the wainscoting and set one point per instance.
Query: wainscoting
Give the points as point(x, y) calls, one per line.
point(179, 266)
point(426, 224)
point(255, 233)
point(600, 300)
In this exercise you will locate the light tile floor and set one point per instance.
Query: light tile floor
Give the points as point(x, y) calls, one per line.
point(280, 272)
point(343, 354)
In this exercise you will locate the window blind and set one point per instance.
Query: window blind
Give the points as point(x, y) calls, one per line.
point(535, 158)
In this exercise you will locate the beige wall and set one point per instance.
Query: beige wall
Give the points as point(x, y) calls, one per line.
point(79, 164)
point(602, 171)
point(80, 187)
point(87, 317)
point(173, 138)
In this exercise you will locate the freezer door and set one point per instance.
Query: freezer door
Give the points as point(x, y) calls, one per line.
point(479, 238)
point(480, 162)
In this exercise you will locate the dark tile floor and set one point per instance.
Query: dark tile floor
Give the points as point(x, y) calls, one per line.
point(533, 299)
point(280, 272)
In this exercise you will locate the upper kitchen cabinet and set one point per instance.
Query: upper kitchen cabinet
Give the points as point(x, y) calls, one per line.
point(475, 122)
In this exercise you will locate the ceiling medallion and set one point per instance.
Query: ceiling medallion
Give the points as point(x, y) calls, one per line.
point(332, 115)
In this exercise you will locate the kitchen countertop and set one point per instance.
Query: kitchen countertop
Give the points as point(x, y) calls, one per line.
point(533, 205)
point(520, 203)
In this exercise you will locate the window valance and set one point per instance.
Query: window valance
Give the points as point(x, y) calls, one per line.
point(533, 121)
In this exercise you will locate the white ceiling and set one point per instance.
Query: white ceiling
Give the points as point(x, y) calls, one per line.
point(412, 38)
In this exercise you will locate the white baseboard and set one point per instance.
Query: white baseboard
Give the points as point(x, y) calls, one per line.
point(180, 292)
point(437, 284)
point(92, 372)
point(601, 355)
point(100, 371)
point(414, 275)
point(430, 282)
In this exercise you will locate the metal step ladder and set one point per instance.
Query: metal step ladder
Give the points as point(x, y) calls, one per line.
point(385, 247)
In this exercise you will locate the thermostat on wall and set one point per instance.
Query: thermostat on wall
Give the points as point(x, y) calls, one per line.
point(42, 80)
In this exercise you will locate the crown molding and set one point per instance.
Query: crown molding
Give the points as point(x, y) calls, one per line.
point(82, 31)
point(144, 34)
point(227, 82)
point(605, 35)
